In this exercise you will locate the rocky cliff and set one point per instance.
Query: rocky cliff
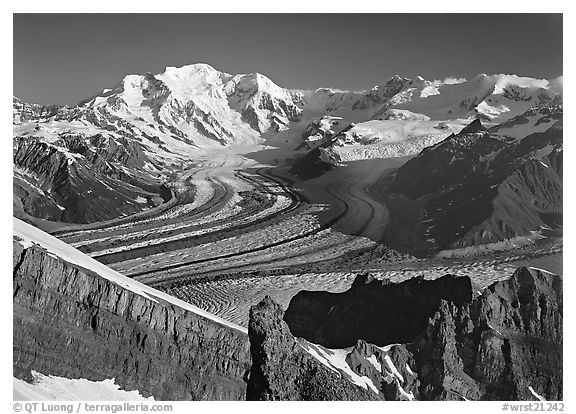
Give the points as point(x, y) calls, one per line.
point(71, 322)
point(441, 339)
point(283, 370)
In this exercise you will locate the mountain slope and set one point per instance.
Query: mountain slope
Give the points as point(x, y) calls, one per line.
point(480, 187)
point(76, 318)
point(73, 181)
point(405, 115)
point(496, 97)
point(142, 130)
point(285, 370)
point(441, 339)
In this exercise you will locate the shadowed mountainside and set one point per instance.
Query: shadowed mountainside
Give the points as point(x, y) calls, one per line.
point(476, 188)
point(73, 323)
point(504, 343)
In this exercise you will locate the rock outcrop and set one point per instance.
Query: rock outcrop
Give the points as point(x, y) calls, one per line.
point(390, 367)
point(502, 344)
point(283, 370)
point(70, 322)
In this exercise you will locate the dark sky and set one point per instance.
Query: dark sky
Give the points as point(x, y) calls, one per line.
point(64, 58)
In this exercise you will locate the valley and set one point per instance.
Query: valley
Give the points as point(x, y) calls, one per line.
point(190, 195)
point(237, 230)
point(242, 216)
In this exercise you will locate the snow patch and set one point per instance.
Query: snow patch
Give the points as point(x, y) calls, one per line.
point(409, 370)
point(335, 359)
point(386, 348)
point(392, 368)
point(535, 394)
point(541, 270)
point(372, 359)
point(405, 395)
point(497, 331)
point(48, 387)
point(26, 244)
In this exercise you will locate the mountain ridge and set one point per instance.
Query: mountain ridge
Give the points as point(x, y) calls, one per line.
point(479, 188)
point(442, 338)
point(163, 122)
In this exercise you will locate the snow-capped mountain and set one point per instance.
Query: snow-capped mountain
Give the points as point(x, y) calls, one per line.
point(536, 119)
point(132, 137)
point(493, 98)
point(148, 126)
point(175, 112)
point(413, 114)
point(172, 113)
point(321, 130)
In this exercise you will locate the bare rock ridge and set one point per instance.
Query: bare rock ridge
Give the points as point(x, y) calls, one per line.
point(73, 323)
point(448, 342)
point(283, 370)
point(420, 339)
point(89, 183)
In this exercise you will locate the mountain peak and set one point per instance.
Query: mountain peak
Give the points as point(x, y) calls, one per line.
point(397, 79)
point(188, 69)
point(258, 80)
point(472, 127)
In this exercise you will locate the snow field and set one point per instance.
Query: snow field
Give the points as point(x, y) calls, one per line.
point(52, 388)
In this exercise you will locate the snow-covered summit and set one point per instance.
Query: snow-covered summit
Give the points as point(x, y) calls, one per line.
point(502, 82)
point(181, 110)
point(145, 127)
point(491, 97)
point(192, 80)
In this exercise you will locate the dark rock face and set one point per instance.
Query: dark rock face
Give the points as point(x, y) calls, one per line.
point(448, 162)
point(282, 370)
point(494, 346)
point(476, 188)
point(439, 360)
point(520, 321)
point(377, 312)
point(70, 322)
point(310, 165)
point(548, 113)
point(89, 185)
